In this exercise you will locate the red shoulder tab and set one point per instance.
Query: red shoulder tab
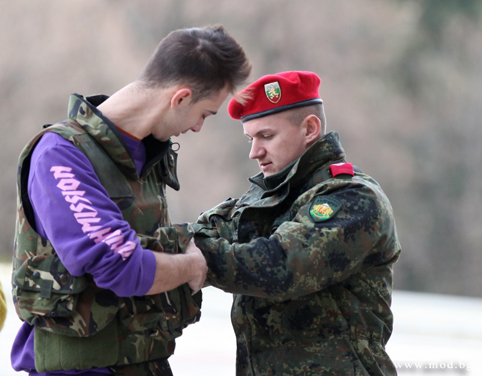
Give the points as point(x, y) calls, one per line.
point(341, 168)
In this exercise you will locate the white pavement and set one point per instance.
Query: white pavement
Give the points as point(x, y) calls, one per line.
point(435, 335)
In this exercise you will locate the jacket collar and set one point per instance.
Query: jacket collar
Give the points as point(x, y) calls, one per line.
point(327, 149)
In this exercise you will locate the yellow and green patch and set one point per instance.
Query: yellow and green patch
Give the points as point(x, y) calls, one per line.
point(324, 208)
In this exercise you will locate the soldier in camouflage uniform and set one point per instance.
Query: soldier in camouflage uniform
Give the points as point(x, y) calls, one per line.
point(98, 294)
point(308, 250)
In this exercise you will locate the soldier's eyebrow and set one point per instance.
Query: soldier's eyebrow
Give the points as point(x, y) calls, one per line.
point(259, 131)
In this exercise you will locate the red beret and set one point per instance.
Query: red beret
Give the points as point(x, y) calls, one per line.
point(274, 93)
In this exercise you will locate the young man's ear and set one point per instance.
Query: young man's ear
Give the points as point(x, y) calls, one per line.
point(312, 126)
point(181, 97)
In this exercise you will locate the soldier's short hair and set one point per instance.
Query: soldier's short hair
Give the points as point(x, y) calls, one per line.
point(206, 59)
point(297, 115)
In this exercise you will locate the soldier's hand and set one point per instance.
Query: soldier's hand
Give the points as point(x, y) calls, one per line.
point(199, 266)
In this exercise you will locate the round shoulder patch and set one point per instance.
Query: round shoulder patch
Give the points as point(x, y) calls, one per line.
point(324, 208)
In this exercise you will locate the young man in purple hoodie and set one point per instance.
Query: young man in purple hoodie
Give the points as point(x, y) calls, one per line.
point(96, 298)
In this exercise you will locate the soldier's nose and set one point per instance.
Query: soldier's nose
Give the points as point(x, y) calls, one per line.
point(256, 151)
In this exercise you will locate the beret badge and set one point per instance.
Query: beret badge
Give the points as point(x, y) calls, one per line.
point(273, 92)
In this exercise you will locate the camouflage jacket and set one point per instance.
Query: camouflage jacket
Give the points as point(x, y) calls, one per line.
point(72, 312)
point(309, 258)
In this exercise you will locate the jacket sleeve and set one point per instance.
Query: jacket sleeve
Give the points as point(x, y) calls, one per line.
point(307, 254)
point(217, 222)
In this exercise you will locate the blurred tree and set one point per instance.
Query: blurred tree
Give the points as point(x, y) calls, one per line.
point(436, 14)
point(400, 81)
point(440, 71)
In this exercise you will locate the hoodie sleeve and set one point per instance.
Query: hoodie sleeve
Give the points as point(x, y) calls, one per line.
point(86, 228)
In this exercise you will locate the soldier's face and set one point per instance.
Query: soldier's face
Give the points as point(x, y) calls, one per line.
point(275, 142)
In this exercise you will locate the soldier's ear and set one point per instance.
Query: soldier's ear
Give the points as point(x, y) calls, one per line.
point(312, 127)
point(181, 97)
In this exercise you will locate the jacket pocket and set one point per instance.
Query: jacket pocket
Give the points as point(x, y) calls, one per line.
point(47, 296)
point(42, 286)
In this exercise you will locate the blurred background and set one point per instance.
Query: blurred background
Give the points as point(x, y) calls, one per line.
point(401, 83)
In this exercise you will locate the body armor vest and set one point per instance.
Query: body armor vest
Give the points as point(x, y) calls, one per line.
point(93, 326)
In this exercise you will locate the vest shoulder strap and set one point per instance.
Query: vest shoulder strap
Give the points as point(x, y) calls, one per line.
point(105, 168)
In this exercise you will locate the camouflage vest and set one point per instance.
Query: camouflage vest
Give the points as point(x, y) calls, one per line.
point(93, 326)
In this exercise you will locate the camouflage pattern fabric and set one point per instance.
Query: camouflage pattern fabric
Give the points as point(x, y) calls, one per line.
point(72, 312)
point(310, 263)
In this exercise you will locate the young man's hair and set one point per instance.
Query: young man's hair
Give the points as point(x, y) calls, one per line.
point(206, 59)
point(297, 115)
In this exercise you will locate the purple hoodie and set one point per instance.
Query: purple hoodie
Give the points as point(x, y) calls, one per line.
point(125, 273)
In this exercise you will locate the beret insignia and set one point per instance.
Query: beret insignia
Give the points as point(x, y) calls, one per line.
point(324, 208)
point(273, 92)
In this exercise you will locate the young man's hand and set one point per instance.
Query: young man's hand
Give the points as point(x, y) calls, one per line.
point(199, 266)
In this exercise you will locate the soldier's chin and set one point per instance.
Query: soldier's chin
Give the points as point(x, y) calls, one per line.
point(267, 169)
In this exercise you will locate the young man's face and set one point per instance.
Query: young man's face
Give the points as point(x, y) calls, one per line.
point(275, 142)
point(192, 117)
